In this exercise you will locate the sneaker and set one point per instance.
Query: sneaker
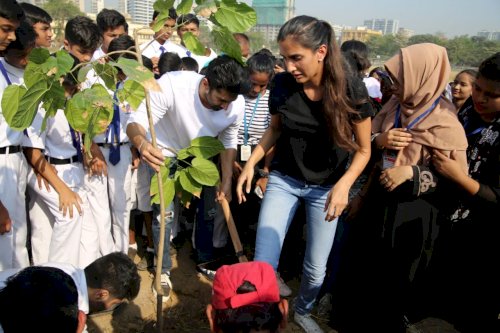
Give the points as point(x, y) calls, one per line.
point(166, 286)
point(307, 323)
point(147, 262)
point(285, 290)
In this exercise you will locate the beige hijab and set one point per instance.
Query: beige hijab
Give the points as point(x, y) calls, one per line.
point(421, 73)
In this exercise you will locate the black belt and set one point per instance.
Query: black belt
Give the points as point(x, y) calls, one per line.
point(109, 145)
point(60, 161)
point(10, 149)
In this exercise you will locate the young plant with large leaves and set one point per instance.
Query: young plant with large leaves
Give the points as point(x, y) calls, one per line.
point(186, 174)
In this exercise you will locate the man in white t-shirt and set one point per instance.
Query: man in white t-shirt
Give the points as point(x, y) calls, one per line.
point(190, 106)
point(161, 43)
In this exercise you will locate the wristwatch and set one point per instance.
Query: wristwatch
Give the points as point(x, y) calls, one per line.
point(263, 174)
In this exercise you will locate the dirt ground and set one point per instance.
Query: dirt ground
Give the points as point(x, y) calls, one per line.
point(185, 310)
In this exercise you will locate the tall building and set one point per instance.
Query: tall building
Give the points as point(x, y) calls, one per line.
point(387, 26)
point(489, 35)
point(271, 15)
point(141, 11)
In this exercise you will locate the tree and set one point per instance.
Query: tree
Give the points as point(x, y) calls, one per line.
point(427, 38)
point(61, 11)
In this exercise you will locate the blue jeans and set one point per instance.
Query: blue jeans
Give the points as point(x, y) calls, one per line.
point(282, 197)
point(166, 264)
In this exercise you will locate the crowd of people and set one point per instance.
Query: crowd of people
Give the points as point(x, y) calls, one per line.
point(396, 169)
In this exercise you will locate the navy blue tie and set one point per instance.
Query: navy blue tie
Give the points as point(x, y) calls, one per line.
point(162, 49)
point(114, 129)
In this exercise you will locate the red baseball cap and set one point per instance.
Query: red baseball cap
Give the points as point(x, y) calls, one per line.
point(229, 278)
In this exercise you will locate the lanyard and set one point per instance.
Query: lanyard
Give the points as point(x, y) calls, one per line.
point(4, 72)
point(245, 126)
point(416, 120)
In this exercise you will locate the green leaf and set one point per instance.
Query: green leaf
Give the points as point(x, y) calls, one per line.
point(168, 191)
point(90, 111)
point(54, 99)
point(64, 62)
point(132, 93)
point(236, 17)
point(163, 5)
point(154, 180)
point(189, 184)
point(33, 73)
point(184, 7)
point(28, 106)
point(107, 74)
point(183, 154)
point(205, 147)
point(224, 40)
point(38, 55)
point(160, 21)
point(137, 72)
point(49, 67)
point(11, 98)
point(83, 72)
point(193, 44)
point(186, 198)
point(204, 171)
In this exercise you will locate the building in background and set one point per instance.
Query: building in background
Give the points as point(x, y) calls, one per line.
point(407, 33)
point(387, 26)
point(489, 35)
point(359, 33)
point(141, 11)
point(271, 15)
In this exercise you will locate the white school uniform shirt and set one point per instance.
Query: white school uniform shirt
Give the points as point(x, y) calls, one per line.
point(153, 50)
point(202, 60)
point(56, 139)
point(125, 109)
point(373, 87)
point(98, 54)
point(9, 136)
point(179, 116)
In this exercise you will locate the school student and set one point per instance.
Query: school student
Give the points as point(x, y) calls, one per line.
point(111, 25)
point(13, 166)
point(161, 43)
point(74, 237)
point(41, 21)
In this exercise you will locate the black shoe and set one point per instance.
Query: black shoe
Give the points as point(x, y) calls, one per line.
point(147, 261)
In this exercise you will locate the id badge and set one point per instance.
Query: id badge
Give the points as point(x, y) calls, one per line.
point(245, 152)
point(389, 158)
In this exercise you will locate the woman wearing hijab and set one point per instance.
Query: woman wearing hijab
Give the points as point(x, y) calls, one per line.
point(391, 241)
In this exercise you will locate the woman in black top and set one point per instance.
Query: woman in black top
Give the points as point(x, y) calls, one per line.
point(316, 109)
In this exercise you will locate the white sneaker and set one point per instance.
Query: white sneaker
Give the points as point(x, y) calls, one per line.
point(285, 290)
point(307, 323)
point(166, 286)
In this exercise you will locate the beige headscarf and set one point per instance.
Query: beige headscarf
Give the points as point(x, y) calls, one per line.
point(422, 72)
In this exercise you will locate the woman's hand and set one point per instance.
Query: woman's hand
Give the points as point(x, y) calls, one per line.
point(336, 201)
point(395, 139)
point(448, 166)
point(393, 177)
point(245, 179)
point(68, 199)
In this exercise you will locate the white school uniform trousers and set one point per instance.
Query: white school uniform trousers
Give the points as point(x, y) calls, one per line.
point(179, 116)
point(111, 194)
point(74, 240)
point(13, 173)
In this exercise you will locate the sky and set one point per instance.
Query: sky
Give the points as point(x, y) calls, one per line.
point(451, 17)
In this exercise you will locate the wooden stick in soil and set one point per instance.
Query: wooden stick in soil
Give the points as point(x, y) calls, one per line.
point(161, 242)
point(235, 238)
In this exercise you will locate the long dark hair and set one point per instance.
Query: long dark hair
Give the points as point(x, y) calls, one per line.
point(311, 33)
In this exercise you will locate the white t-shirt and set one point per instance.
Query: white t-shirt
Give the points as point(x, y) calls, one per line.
point(179, 116)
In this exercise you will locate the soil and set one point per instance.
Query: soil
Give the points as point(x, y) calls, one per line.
point(185, 310)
